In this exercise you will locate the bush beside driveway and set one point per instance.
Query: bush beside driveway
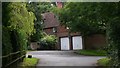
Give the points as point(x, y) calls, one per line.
point(103, 62)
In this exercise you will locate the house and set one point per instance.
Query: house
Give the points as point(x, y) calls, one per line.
point(66, 39)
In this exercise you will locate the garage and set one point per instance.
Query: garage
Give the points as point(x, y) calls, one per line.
point(65, 43)
point(77, 42)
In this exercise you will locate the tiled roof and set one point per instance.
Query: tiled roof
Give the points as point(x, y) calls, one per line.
point(50, 20)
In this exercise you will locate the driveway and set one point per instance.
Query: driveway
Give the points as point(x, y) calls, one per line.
point(63, 58)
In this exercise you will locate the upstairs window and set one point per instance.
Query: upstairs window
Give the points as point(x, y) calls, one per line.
point(54, 30)
point(67, 28)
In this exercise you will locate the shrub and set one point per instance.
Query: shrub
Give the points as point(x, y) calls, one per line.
point(103, 62)
point(48, 42)
point(6, 42)
point(6, 45)
point(114, 42)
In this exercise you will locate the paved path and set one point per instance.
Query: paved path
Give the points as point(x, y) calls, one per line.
point(63, 58)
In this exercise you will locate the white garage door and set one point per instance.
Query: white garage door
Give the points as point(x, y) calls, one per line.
point(65, 43)
point(77, 42)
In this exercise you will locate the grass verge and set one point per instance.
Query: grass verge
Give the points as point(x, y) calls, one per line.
point(29, 63)
point(92, 52)
point(103, 62)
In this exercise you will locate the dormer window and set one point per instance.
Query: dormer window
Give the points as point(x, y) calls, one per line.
point(67, 28)
point(54, 30)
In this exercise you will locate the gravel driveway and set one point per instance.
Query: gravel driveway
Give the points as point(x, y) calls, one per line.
point(63, 58)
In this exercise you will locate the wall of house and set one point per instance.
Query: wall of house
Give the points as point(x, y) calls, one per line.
point(96, 41)
point(90, 42)
point(49, 31)
point(63, 32)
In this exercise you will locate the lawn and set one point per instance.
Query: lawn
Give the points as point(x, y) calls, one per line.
point(29, 63)
point(92, 52)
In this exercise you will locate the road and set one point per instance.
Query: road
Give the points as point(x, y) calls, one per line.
point(63, 58)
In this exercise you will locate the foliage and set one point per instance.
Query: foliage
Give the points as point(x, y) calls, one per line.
point(27, 62)
point(114, 41)
point(6, 41)
point(20, 22)
point(82, 17)
point(113, 23)
point(48, 42)
point(103, 62)
point(38, 8)
point(20, 19)
point(91, 18)
point(92, 52)
point(37, 36)
point(17, 27)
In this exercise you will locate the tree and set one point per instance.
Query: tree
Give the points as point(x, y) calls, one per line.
point(21, 20)
point(18, 25)
point(92, 18)
point(38, 8)
point(82, 17)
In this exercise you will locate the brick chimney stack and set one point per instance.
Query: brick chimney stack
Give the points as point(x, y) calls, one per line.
point(59, 4)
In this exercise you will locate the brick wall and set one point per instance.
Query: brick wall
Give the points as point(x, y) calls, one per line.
point(49, 31)
point(63, 32)
point(96, 41)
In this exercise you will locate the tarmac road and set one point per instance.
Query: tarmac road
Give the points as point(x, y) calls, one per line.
point(64, 58)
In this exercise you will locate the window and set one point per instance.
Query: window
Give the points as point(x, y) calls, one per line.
point(54, 30)
point(67, 27)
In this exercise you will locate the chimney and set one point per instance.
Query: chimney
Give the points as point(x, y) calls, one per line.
point(59, 4)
